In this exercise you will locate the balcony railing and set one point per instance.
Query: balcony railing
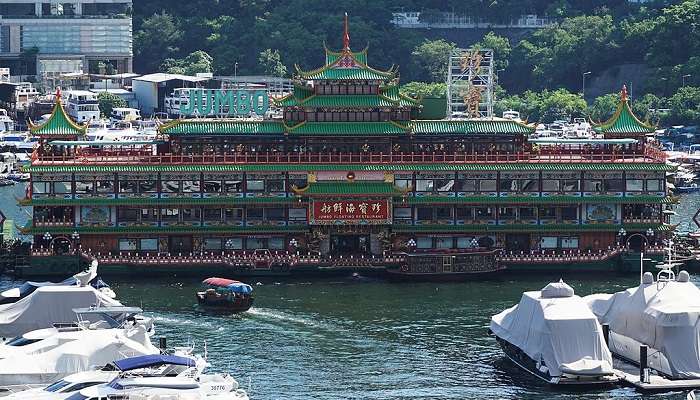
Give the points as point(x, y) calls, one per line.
point(139, 157)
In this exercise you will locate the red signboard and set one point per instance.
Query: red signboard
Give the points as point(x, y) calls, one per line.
point(350, 212)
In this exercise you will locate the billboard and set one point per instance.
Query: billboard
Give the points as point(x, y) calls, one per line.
point(350, 212)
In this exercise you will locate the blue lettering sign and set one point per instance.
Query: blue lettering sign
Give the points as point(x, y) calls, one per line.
point(225, 102)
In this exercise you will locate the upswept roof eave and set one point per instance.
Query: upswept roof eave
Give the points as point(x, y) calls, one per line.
point(389, 74)
point(57, 112)
point(623, 107)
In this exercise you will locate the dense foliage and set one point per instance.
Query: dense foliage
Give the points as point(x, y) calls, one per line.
point(106, 102)
point(271, 36)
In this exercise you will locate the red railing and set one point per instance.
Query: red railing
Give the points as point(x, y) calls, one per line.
point(140, 158)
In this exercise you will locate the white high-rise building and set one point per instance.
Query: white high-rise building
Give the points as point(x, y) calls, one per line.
point(70, 35)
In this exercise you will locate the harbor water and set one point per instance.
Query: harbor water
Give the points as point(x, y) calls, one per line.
point(359, 338)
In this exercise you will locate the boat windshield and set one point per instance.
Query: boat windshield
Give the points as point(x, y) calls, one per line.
point(21, 341)
point(56, 386)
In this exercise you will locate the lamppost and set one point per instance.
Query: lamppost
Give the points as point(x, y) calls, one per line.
point(293, 244)
point(621, 234)
point(235, 72)
point(474, 242)
point(685, 76)
point(583, 85)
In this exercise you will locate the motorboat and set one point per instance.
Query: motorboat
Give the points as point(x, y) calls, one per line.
point(663, 315)
point(47, 306)
point(71, 350)
point(553, 335)
point(157, 365)
point(225, 295)
point(84, 278)
point(202, 387)
point(85, 318)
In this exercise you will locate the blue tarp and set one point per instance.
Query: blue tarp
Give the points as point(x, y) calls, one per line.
point(240, 288)
point(132, 363)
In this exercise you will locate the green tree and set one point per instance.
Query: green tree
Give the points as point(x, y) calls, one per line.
point(603, 107)
point(158, 38)
point(558, 55)
point(422, 89)
point(107, 101)
point(432, 58)
point(500, 46)
point(271, 63)
point(685, 106)
point(196, 62)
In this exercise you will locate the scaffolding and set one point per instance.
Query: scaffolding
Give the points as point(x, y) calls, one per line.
point(470, 84)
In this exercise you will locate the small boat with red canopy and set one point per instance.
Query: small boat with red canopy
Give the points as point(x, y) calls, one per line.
point(228, 295)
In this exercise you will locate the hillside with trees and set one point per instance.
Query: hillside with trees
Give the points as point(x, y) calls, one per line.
point(539, 74)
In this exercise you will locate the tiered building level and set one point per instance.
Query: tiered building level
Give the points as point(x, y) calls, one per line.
point(348, 177)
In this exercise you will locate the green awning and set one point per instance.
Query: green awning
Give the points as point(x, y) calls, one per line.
point(349, 188)
point(535, 166)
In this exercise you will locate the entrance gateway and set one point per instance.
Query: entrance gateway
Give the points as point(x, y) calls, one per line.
point(344, 244)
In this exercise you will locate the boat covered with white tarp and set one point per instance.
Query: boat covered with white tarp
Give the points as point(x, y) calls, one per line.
point(552, 334)
point(663, 315)
point(69, 352)
point(47, 306)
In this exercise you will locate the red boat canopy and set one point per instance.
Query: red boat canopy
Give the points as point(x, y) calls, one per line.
point(222, 282)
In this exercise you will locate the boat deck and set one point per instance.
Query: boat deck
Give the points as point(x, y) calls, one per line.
point(630, 375)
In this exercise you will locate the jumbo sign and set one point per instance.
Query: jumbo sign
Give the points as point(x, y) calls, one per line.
point(226, 102)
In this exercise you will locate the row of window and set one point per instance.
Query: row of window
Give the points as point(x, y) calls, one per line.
point(208, 244)
point(347, 116)
point(346, 88)
point(531, 185)
point(466, 242)
point(210, 214)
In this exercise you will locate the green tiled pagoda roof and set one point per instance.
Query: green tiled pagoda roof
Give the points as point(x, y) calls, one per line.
point(624, 120)
point(345, 101)
point(535, 166)
point(215, 200)
point(348, 128)
point(58, 124)
point(475, 126)
point(348, 188)
point(389, 96)
point(563, 199)
point(345, 74)
point(418, 127)
point(333, 56)
point(30, 229)
point(222, 127)
point(336, 68)
point(530, 228)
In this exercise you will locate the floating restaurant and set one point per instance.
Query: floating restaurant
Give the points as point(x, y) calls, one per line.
point(347, 176)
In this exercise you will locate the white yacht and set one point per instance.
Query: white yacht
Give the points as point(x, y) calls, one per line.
point(663, 315)
point(82, 105)
point(124, 114)
point(25, 93)
point(513, 115)
point(70, 350)
point(157, 365)
point(202, 387)
point(6, 123)
point(47, 306)
point(553, 335)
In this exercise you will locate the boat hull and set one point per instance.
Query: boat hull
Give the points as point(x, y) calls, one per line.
point(522, 360)
point(224, 305)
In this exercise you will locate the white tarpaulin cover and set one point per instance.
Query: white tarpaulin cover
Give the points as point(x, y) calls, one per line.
point(556, 326)
point(661, 315)
point(46, 306)
point(86, 349)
